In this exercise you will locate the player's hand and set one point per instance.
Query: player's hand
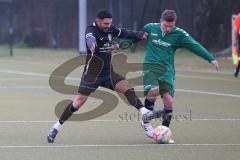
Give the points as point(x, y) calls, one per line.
point(215, 64)
point(113, 48)
point(145, 36)
point(92, 49)
point(141, 35)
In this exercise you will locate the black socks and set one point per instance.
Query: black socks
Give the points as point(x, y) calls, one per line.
point(167, 116)
point(133, 99)
point(149, 104)
point(69, 110)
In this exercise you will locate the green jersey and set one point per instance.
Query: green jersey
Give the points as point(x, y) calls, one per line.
point(161, 48)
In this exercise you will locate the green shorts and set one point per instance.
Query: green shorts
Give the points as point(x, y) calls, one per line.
point(157, 77)
point(164, 87)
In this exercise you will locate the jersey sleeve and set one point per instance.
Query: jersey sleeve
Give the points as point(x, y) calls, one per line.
point(128, 34)
point(186, 41)
point(90, 37)
point(116, 31)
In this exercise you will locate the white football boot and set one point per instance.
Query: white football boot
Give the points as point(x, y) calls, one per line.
point(148, 128)
point(146, 118)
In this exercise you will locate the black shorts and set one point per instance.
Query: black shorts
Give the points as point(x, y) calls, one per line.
point(89, 83)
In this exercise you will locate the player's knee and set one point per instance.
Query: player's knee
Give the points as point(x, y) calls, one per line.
point(152, 98)
point(79, 100)
point(168, 100)
point(122, 86)
point(152, 94)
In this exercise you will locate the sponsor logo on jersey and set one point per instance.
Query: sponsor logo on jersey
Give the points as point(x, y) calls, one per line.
point(161, 43)
point(154, 34)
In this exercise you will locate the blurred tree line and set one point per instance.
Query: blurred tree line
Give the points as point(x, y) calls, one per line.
point(54, 23)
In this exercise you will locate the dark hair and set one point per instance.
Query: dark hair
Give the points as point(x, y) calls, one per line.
point(104, 14)
point(169, 15)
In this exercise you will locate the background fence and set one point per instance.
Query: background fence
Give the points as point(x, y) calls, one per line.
point(54, 23)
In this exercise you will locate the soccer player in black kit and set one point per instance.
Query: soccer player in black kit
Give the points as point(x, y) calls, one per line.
point(98, 70)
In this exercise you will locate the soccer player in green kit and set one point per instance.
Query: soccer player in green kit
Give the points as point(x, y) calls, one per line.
point(158, 68)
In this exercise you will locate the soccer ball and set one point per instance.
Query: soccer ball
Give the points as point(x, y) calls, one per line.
point(162, 135)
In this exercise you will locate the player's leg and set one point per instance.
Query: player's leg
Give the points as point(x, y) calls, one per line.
point(151, 73)
point(151, 96)
point(166, 90)
point(85, 89)
point(125, 88)
point(167, 110)
point(136, 102)
point(237, 69)
point(121, 85)
point(78, 101)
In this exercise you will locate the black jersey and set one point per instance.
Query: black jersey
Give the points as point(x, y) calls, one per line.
point(99, 62)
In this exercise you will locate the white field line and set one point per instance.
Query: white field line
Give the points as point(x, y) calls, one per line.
point(113, 145)
point(115, 120)
point(178, 90)
point(33, 74)
point(76, 78)
point(203, 71)
point(24, 73)
point(48, 121)
point(215, 119)
point(22, 101)
point(22, 79)
point(24, 87)
point(209, 93)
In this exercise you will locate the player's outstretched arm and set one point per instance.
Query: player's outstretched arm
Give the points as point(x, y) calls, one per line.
point(215, 64)
point(186, 41)
point(129, 34)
